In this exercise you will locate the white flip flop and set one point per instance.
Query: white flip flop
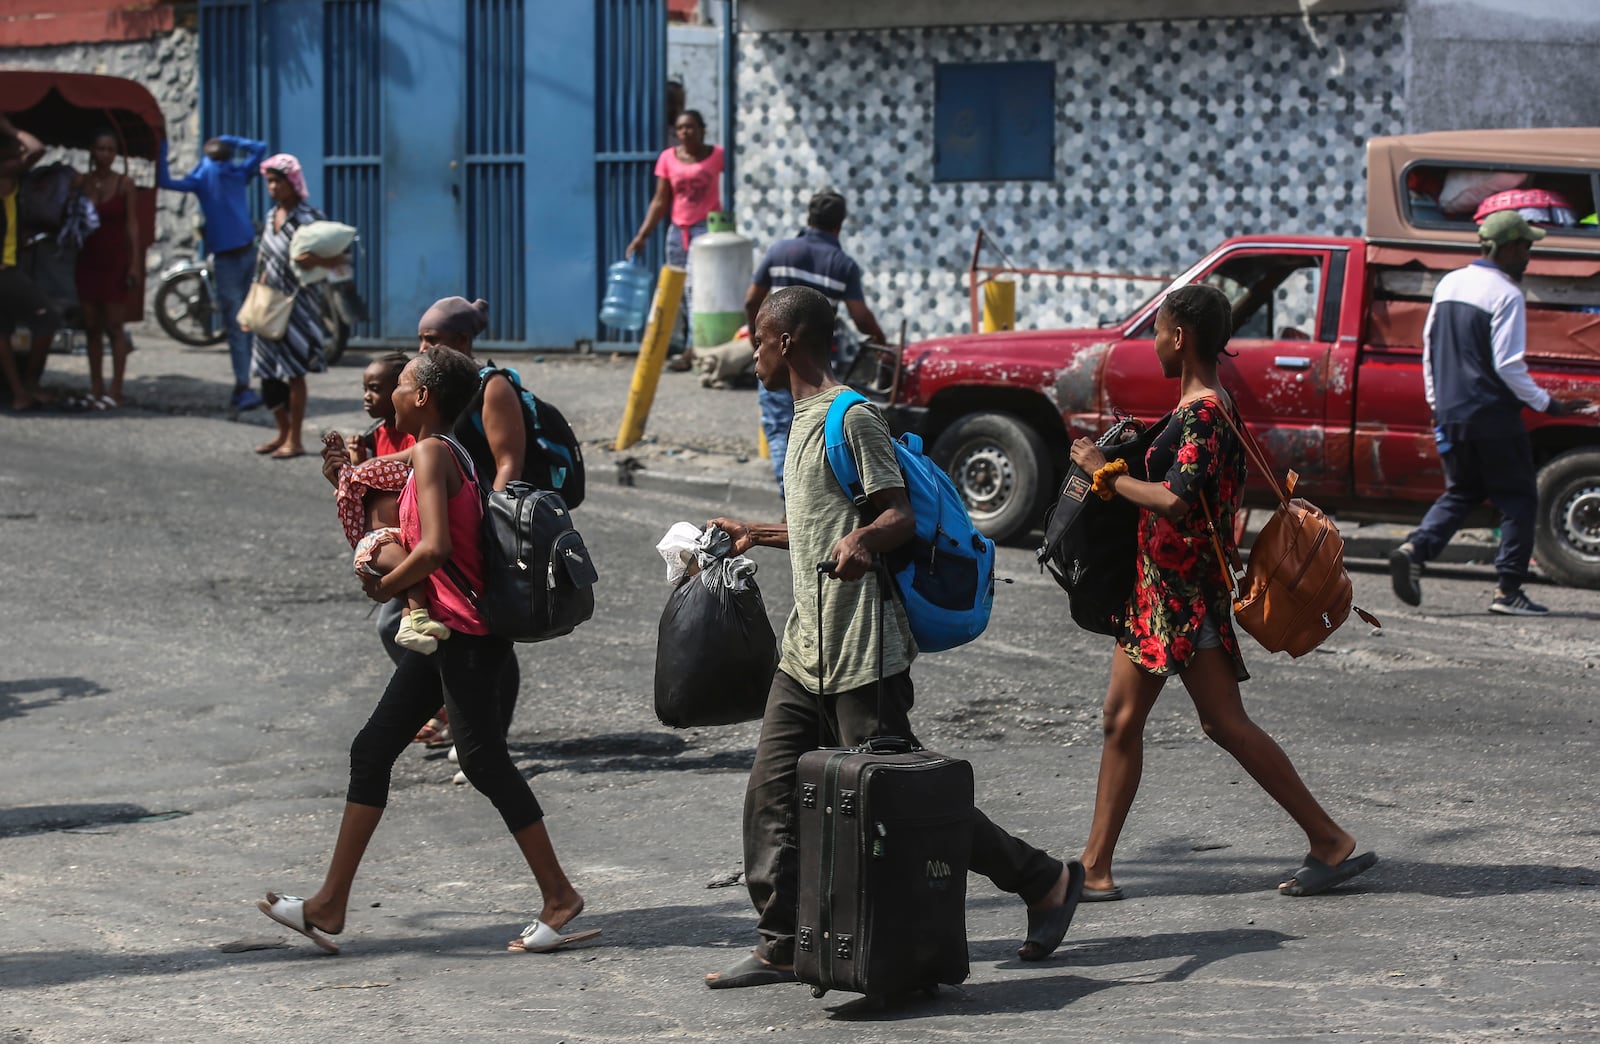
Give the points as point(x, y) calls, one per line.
point(290, 911)
point(539, 937)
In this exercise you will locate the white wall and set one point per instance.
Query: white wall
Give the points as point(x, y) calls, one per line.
point(1502, 63)
point(694, 57)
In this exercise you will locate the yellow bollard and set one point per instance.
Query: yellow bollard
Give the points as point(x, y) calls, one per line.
point(652, 355)
point(763, 448)
point(999, 305)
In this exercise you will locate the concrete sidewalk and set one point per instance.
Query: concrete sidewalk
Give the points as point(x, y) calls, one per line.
point(698, 442)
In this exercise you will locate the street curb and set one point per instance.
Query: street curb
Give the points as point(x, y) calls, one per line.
point(738, 498)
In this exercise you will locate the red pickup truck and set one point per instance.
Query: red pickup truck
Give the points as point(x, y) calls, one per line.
point(1328, 333)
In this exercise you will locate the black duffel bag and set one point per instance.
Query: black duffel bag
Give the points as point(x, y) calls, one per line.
point(715, 650)
point(1091, 545)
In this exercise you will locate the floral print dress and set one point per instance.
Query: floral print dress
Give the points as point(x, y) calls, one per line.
point(1179, 582)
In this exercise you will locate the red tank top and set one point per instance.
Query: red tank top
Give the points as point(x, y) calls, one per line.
point(447, 603)
point(387, 440)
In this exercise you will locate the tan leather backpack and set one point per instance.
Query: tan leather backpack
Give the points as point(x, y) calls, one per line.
point(1296, 591)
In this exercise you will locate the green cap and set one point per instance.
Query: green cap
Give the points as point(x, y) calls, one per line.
point(1508, 226)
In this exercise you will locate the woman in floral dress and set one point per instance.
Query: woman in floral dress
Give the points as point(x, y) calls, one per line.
point(1179, 618)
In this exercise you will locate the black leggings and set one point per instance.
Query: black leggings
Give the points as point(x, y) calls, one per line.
point(506, 687)
point(462, 675)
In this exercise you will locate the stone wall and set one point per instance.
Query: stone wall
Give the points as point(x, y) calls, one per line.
point(1169, 137)
point(168, 66)
point(1502, 63)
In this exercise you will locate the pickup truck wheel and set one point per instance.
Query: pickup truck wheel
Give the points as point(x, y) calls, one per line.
point(1001, 467)
point(1567, 536)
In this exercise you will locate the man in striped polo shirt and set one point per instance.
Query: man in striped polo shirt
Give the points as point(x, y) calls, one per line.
point(1475, 375)
point(814, 258)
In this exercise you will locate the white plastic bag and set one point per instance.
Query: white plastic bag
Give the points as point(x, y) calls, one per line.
point(680, 550)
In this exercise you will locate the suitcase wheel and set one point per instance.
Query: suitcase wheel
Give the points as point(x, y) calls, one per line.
point(818, 992)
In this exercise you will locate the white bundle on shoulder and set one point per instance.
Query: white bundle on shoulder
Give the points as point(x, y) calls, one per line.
point(322, 239)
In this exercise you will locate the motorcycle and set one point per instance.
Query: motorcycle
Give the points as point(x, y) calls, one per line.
point(186, 307)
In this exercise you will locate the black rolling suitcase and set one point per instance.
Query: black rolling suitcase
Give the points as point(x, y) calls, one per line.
point(885, 837)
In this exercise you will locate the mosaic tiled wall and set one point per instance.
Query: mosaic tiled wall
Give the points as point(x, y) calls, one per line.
point(1170, 136)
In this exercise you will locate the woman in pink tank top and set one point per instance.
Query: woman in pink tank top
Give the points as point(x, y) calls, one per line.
point(440, 515)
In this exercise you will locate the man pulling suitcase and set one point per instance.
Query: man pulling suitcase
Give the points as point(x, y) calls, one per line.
point(864, 689)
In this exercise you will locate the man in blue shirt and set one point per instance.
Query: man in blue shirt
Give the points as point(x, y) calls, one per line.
point(814, 258)
point(220, 181)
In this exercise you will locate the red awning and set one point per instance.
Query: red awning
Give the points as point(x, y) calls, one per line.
point(67, 109)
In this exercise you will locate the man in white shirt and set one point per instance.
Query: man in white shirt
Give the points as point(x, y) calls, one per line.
point(1475, 376)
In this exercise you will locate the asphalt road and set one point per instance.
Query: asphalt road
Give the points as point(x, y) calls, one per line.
point(187, 656)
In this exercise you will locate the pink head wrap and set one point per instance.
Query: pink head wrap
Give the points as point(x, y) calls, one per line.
point(289, 167)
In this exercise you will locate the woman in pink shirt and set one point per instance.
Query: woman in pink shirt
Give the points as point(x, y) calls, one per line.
point(440, 515)
point(688, 187)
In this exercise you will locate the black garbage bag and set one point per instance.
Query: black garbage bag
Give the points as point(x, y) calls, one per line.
point(715, 650)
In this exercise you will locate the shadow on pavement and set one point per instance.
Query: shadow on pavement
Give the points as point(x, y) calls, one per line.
point(13, 705)
point(1472, 880)
point(1029, 992)
point(43, 819)
point(668, 926)
point(1026, 993)
point(628, 752)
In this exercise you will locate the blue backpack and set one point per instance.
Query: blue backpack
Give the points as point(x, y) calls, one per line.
point(945, 575)
point(553, 459)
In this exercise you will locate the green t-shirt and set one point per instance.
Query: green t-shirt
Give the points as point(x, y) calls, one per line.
point(820, 515)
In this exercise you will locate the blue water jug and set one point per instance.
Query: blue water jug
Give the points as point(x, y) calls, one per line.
point(627, 302)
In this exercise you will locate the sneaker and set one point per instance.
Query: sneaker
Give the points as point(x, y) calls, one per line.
point(246, 399)
point(1516, 604)
point(1405, 573)
point(459, 779)
point(451, 757)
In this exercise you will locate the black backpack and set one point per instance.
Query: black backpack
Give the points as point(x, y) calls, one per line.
point(1091, 545)
point(538, 578)
point(553, 459)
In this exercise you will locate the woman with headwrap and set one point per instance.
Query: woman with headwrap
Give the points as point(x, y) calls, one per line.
point(282, 365)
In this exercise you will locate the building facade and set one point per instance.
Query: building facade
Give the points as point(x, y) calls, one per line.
point(1130, 146)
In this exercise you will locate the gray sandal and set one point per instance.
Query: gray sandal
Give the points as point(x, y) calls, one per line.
point(1315, 876)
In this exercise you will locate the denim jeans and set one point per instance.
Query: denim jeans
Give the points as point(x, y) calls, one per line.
point(678, 254)
point(777, 417)
point(1499, 470)
point(232, 271)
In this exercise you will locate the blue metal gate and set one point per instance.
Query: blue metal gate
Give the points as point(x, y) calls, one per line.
point(496, 162)
point(460, 137)
point(630, 130)
point(231, 94)
point(352, 141)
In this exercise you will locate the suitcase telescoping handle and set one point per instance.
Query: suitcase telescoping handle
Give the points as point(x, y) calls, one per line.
point(873, 744)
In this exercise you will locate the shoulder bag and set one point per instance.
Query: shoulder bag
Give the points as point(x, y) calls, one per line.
point(266, 310)
point(1296, 591)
